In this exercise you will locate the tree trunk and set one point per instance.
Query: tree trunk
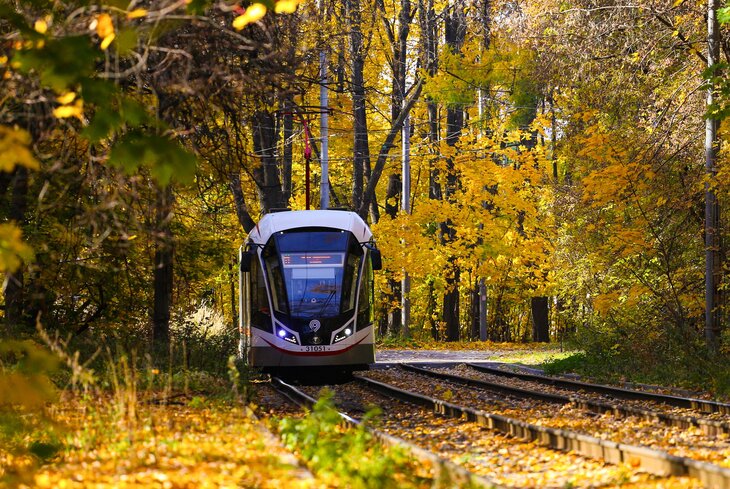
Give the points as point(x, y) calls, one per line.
point(429, 59)
point(431, 312)
point(451, 306)
point(15, 313)
point(391, 209)
point(474, 310)
point(266, 175)
point(455, 34)
point(163, 276)
point(361, 157)
point(242, 212)
point(540, 323)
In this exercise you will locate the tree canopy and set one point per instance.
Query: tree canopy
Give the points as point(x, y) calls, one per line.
point(556, 161)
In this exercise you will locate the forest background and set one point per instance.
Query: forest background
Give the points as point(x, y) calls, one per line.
point(556, 149)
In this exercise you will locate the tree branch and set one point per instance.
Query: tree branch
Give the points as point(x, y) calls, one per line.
point(385, 148)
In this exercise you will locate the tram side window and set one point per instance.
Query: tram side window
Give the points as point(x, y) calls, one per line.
point(260, 316)
point(351, 276)
point(367, 296)
point(276, 280)
point(349, 286)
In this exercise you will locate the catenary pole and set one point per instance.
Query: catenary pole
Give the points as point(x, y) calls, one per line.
point(324, 193)
point(406, 206)
point(712, 214)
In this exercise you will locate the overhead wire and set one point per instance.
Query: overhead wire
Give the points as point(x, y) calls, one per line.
point(344, 132)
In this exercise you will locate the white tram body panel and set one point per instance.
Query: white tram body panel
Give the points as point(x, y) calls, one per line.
point(307, 294)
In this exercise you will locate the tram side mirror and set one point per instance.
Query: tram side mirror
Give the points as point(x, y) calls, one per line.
point(376, 258)
point(246, 258)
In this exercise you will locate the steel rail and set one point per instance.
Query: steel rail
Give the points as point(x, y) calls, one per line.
point(653, 461)
point(708, 426)
point(701, 405)
point(445, 471)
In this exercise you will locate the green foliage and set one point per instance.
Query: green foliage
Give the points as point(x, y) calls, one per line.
point(164, 157)
point(113, 113)
point(723, 15)
point(351, 457)
point(400, 342)
point(198, 7)
point(664, 362)
point(62, 64)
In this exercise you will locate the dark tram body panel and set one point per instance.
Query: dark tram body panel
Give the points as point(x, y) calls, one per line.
point(307, 291)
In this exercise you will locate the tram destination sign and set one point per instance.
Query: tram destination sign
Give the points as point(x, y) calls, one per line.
point(295, 260)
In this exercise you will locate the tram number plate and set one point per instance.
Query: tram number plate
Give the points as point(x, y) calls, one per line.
point(315, 348)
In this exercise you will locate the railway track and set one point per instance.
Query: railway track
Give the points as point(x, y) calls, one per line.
point(700, 405)
point(709, 427)
point(510, 460)
point(650, 460)
point(444, 470)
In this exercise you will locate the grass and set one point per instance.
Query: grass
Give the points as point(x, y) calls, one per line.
point(133, 426)
point(701, 374)
point(533, 354)
point(197, 442)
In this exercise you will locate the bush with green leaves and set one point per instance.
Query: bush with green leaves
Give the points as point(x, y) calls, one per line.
point(349, 457)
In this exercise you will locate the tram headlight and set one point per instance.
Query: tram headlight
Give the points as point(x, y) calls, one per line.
point(286, 336)
point(347, 332)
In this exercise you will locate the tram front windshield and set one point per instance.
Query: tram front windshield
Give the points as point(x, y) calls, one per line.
point(315, 273)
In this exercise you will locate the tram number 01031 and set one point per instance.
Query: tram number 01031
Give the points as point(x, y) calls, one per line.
point(315, 348)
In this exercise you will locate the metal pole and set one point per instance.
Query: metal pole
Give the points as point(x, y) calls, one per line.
point(324, 192)
point(712, 218)
point(482, 283)
point(406, 206)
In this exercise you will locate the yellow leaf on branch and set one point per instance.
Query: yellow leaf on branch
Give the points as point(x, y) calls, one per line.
point(13, 250)
point(41, 26)
point(104, 25)
point(66, 111)
point(137, 13)
point(286, 6)
point(252, 14)
point(14, 149)
point(66, 98)
point(107, 41)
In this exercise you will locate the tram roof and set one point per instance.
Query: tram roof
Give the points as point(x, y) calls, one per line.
point(282, 221)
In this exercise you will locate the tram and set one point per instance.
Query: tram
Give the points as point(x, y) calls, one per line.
point(306, 282)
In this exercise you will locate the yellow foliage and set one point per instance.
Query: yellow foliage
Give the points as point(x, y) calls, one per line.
point(41, 26)
point(66, 98)
point(253, 13)
point(202, 443)
point(286, 6)
point(13, 251)
point(137, 13)
point(606, 301)
point(66, 111)
point(14, 149)
point(107, 41)
point(104, 25)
